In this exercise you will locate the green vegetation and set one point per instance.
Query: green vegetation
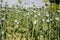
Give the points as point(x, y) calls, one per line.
point(20, 1)
point(29, 24)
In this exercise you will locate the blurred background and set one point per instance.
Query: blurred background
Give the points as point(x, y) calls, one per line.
point(29, 3)
point(40, 21)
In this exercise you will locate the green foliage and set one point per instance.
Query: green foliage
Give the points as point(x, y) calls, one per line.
point(20, 1)
point(54, 7)
point(29, 24)
point(46, 0)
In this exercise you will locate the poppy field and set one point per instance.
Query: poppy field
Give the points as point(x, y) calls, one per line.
point(29, 23)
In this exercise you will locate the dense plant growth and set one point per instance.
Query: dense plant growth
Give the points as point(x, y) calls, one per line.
point(29, 24)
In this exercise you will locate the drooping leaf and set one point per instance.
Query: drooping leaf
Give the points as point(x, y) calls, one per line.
point(20, 1)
